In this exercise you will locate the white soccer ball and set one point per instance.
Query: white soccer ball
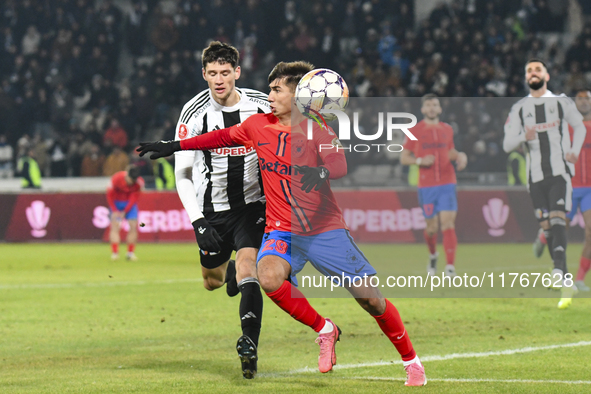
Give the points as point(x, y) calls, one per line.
point(321, 89)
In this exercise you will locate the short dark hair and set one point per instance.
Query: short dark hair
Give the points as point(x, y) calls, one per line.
point(222, 53)
point(291, 72)
point(429, 96)
point(133, 172)
point(536, 60)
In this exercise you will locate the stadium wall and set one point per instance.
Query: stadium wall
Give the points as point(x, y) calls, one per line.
point(373, 216)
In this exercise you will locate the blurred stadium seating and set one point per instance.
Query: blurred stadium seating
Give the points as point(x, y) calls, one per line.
point(79, 78)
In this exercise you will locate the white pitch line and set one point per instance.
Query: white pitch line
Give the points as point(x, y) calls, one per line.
point(451, 356)
point(97, 284)
point(460, 380)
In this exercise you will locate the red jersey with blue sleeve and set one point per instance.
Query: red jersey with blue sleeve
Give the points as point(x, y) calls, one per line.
point(436, 140)
point(119, 190)
point(279, 148)
point(582, 177)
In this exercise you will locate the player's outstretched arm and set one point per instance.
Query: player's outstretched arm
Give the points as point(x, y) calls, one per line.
point(212, 140)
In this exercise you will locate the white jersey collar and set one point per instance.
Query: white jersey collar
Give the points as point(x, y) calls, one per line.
point(547, 94)
point(217, 106)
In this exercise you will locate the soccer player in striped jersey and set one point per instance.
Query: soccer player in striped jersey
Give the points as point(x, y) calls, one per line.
point(222, 194)
point(123, 193)
point(581, 192)
point(540, 122)
point(304, 222)
point(433, 152)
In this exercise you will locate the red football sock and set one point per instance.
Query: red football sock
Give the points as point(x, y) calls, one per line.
point(297, 306)
point(584, 266)
point(431, 242)
point(543, 238)
point(115, 248)
point(391, 324)
point(450, 244)
point(130, 248)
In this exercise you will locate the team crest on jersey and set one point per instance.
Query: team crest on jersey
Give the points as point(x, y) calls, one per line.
point(298, 147)
point(183, 131)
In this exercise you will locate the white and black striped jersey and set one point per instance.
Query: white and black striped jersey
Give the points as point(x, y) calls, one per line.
point(550, 116)
point(224, 178)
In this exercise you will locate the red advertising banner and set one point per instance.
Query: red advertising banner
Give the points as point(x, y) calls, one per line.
point(378, 216)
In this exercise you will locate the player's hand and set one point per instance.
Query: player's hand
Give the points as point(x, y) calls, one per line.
point(531, 134)
point(571, 157)
point(314, 177)
point(207, 238)
point(461, 161)
point(427, 161)
point(161, 148)
point(117, 215)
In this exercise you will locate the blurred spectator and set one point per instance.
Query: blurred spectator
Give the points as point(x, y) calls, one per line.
point(164, 173)
point(115, 135)
point(57, 154)
point(29, 171)
point(93, 161)
point(6, 158)
point(116, 161)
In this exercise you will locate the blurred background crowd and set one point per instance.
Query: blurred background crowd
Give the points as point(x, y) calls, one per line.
point(83, 81)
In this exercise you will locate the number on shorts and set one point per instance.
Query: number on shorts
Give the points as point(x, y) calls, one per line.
point(279, 246)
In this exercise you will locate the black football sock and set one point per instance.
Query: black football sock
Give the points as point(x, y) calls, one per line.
point(251, 308)
point(558, 230)
point(549, 239)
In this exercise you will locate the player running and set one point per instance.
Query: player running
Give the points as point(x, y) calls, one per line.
point(221, 192)
point(303, 225)
point(581, 192)
point(123, 193)
point(539, 121)
point(433, 152)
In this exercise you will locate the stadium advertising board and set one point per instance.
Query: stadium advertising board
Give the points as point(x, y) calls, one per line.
point(373, 216)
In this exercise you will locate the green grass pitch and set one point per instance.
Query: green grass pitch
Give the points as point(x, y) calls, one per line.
point(72, 321)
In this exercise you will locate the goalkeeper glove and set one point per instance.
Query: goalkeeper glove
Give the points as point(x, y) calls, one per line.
point(207, 238)
point(162, 148)
point(314, 177)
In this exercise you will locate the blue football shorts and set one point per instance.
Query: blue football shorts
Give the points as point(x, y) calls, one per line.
point(332, 253)
point(133, 212)
point(435, 199)
point(581, 200)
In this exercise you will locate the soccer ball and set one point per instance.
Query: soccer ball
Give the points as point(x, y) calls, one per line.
point(321, 89)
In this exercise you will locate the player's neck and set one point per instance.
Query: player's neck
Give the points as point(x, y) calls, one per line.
point(285, 120)
point(230, 101)
point(587, 117)
point(540, 92)
point(434, 121)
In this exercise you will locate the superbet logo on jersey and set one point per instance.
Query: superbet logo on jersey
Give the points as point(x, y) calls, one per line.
point(183, 131)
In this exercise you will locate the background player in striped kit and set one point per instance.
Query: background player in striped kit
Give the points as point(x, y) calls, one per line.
point(540, 122)
point(581, 192)
point(433, 152)
point(221, 191)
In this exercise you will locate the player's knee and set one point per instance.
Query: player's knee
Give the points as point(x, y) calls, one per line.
point(212, 283)
point(246, 268)
point(269, 283)
point(447, 225)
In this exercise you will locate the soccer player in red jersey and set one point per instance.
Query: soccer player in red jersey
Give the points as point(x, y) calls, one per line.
point(304, 222)
point(581, 182)
point(433, 152)
point(123, 193)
